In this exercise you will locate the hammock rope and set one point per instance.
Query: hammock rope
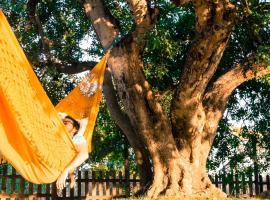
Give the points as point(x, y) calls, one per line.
point(33, 137)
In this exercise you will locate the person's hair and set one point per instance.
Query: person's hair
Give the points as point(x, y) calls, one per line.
point(75, 122)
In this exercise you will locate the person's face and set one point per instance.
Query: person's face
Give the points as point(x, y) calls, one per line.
point(69, 125)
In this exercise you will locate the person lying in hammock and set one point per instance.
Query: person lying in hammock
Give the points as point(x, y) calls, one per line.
point(73, 126)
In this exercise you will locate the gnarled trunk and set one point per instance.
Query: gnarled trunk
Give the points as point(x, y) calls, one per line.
point(177, 145)
point(146, 116)
point(178, 165)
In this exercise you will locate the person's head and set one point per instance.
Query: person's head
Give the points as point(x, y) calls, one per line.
point(71, 124)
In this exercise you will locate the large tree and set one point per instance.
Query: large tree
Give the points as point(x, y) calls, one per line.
point(171, 144)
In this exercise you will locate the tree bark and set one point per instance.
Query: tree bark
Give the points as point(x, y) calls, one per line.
point(106, 28)
point(178, 145)
point(145, 114)
point(141, 154)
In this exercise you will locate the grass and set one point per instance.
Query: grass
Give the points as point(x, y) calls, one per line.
point(186, 198)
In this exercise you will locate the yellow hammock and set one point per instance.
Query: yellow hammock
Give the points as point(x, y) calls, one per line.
point(32, 136)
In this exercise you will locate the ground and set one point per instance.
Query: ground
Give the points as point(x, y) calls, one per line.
point(171, 198)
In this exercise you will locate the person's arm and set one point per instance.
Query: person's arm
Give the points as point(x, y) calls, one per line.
point(83, 124)
point(81, 156)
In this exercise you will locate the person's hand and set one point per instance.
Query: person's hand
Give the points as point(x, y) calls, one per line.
point(61, 181)
point(62, 115)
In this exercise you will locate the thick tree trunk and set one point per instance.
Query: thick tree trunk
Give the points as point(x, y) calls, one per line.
point(178, 165)
point(106, 28)
point(146, 115)
point(178, 170)
point(182, 172)
point(141, 154)
point(178, 146)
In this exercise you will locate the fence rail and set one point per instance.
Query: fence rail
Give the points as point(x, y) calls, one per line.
point(108, 185)
point(242, 185)
point(89, 185)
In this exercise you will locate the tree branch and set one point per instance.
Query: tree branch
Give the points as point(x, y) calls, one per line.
point(34, 19)
point(246, 8)
point(31, 9)
point(105, 25)
point(216, 98)
point(248, 20)
point(141, 15)
point(180, 2)
point(123, 122)
point(112, 102)
point(44, 40)
point(213, 14)
point(204, 13)
point(107, 29)
point(214, 24)
point(75, 67)
point(68, 68)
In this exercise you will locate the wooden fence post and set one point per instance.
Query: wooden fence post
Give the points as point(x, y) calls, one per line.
point(236, 185)
point(134, 184)
point(86, 184)
point(127, 183)
point(54, 190)
point(94, 187)
point(71, 191)
point(31, 191)
point(244, 184)
point(12, 180)
point(100, 184)
point(260, 184)
point(107, 189)
point(223, 180)
point(5, 179)
point(231, 185)
point(216, 180)
point(256, 181)
point(250, 183)
point(39, 190)
point(48, 191)
point(267, 182)
point(120, 183)
point(79, 184)
point(126, 165)
point(64, 192)
point(115, 192)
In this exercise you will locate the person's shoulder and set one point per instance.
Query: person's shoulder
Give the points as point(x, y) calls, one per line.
point(78, 139)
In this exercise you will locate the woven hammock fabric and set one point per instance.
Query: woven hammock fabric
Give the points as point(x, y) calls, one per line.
point(32, 136)
point(83, 101)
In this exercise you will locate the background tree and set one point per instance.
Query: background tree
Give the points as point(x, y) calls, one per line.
point(170, 87)
point(249, 143)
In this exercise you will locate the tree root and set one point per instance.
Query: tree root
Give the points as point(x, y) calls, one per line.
point(173, 191)
point(209, 190)
point(159, 185)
